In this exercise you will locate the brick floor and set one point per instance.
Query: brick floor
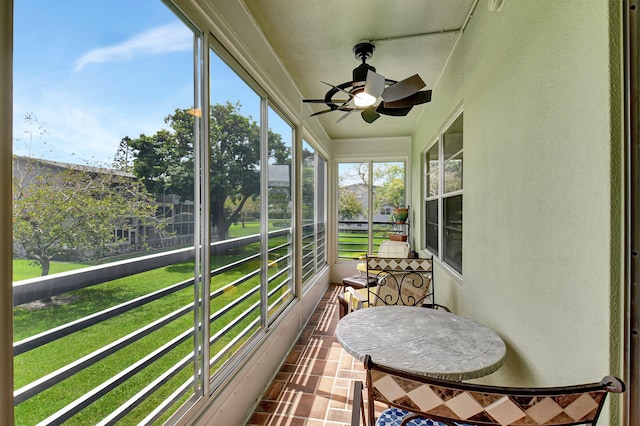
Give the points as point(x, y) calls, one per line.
point(315, 385)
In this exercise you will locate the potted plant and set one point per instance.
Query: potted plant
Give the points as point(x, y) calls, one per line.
point(399, 217)
point(400, 214)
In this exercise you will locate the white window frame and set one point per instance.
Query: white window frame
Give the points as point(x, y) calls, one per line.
point(441, 196)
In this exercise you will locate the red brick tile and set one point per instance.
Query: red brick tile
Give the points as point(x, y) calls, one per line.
point(315, 384)
point(339, 415)
point(325, 385)
point(283, 376)
point(334, 354)
point(317, 352)
point(342, 383)
point(258, 419)
point(286, 421)
point(347, 362)
point(339, 398)
point(267, 406)
point(304, 383)
point(293, 356)
point(349, 374)
point(274, 390)
point(312, 406)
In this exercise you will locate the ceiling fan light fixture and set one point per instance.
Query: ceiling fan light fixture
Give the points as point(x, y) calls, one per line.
point(368, 88)
point(364, 99)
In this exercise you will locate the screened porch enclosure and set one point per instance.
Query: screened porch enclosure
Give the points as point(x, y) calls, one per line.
point(177, 216)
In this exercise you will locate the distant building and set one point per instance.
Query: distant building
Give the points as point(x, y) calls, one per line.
point(177, 216)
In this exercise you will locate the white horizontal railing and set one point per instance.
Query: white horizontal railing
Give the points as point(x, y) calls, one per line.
point(43, 287)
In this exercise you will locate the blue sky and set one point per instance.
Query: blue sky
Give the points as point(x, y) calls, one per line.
point(93, 73)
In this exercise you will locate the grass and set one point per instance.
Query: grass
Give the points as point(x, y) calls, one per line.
point(24, 269)
point(353, 245)
point(37, 363)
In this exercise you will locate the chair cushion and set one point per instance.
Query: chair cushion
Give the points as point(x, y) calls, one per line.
point(353, 301)
point(393, 417)
point(359, 281)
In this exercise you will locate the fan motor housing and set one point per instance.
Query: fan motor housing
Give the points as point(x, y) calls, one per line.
point(363, 51)
point(360, 72)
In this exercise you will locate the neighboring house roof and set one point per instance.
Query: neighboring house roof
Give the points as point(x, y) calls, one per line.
point(81, 167)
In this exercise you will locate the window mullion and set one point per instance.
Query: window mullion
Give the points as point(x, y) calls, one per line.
point(370, 206)
point(203, 194)
point(264, 212)
point(440, 194)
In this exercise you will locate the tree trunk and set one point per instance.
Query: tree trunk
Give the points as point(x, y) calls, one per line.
point(45, 265)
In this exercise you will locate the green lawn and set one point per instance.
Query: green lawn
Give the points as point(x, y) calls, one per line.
point(35, 364)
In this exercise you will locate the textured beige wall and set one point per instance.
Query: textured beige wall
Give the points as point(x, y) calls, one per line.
point(541, 185)
point(446, 101)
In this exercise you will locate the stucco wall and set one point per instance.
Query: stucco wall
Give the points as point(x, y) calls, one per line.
point(446, 101)
point(541, 198)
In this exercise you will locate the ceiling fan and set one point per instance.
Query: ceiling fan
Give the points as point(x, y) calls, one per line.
point(371, 93)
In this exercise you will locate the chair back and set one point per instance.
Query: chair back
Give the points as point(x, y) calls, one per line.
point(390, 248)
point(457, 403)
point(401, 281)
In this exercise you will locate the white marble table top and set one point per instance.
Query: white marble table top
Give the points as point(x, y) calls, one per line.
point(422, 341)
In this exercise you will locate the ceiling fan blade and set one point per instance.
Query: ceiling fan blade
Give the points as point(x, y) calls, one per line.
point(370, 115)
point(345, 115)
point(421, 97)
point(397, 112)
point(340, 108)
point(322, 112)
point(375, 84)
point(337, 88)
point(322, 101)
point(402, 89)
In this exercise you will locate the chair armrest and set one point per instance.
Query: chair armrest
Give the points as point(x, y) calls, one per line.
point(357, 296)
point(358, 406)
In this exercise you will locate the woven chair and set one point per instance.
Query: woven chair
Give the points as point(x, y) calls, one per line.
point(420, 401)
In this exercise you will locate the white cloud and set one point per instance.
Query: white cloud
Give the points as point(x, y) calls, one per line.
point(173, 37)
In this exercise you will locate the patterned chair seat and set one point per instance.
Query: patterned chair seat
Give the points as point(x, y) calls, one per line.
point(394, 416)
point(419, 401)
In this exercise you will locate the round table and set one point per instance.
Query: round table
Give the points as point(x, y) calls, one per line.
point(422, 341)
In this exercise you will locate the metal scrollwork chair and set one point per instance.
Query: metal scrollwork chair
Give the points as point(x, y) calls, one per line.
point(420, 401)
point(399, 281)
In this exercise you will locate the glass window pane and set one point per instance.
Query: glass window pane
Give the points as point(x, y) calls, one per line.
point(280, 270)
point(452, 235)
point(432, 166)
point(308, 211)
point(321, 215)
point(388, 194)
point(234, 202)
point(353, 208)
point(452, 138)
point(453, 174)
point(104, 113)
point(431, 209)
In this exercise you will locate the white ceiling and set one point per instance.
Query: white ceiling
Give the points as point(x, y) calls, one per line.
point(315, 39)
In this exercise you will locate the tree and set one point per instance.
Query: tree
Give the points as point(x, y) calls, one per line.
point(165, 161)
point(59, 209)
point(391, 191)
point(124, 156)
point(349, 207)
point(308, 185)
point(250, 211)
